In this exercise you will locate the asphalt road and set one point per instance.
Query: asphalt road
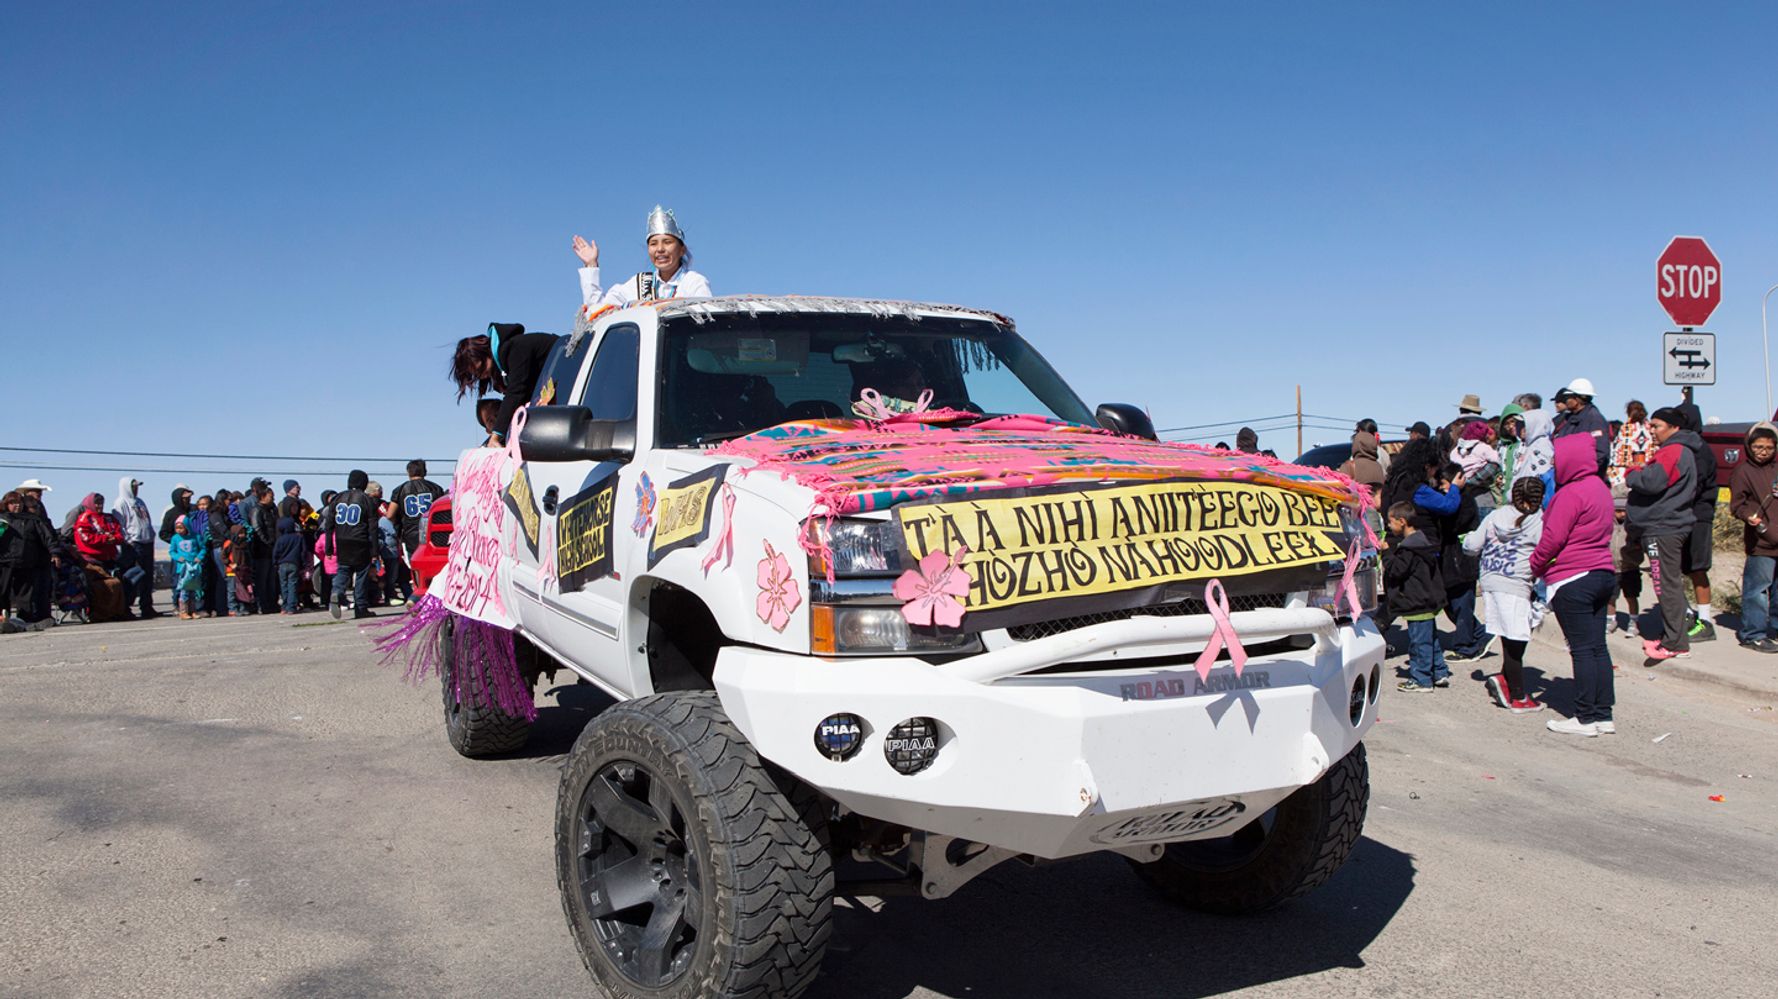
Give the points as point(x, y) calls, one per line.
point(251, 808)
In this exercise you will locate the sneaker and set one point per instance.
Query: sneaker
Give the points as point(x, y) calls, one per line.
point(1497, 689)
point(1525, 706)
point(334, 608)
point(1657, 653)
point(1702, 631)
point(1572, 726)
point(1606, 727)
point(1765, 645)
point(1410, 687)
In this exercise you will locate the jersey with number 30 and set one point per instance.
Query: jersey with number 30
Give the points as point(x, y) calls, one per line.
point(354, 527)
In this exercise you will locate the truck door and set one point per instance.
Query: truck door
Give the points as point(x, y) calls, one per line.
point(583, 607)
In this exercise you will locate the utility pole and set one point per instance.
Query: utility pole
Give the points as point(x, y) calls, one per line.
point(1299, 419)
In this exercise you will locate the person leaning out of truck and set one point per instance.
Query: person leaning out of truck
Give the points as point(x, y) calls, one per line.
point(1753, 496)
point(505, 358)
point(672, 276)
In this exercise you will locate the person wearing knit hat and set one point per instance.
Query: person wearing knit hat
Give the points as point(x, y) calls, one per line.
point(672, 276)
point(350, 535)
point(291, 505)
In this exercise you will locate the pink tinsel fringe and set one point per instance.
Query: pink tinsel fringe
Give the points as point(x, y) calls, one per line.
point(487, 663)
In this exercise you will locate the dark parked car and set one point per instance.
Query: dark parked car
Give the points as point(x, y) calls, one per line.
point(1335, 455)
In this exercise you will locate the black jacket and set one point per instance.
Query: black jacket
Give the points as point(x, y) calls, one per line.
point(1588, 421)
point(352, 529)
point(181, 506)
point(1411, 576)
point(1704, 506)
point(520, 359)
point(37, 541)
point(262, 523)
point(408, 506)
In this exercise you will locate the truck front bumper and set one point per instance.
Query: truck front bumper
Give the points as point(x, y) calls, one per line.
point(1061, 763)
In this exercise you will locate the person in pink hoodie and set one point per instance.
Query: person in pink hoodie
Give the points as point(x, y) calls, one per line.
point(1573, 558)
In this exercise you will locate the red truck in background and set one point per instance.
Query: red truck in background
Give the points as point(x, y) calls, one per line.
point(1728, 442)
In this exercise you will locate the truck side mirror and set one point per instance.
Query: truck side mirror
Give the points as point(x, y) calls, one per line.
point(1125, 419)
point(569, 433)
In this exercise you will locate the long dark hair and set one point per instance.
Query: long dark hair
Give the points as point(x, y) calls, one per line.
point(1411, 461)
point(472, 352)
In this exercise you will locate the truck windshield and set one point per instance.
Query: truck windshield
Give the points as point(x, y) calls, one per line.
point(734, 375)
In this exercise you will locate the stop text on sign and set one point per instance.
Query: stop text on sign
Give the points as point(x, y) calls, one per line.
point(1689, 280)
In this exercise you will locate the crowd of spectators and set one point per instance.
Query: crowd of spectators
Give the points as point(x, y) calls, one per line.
point(229, 553)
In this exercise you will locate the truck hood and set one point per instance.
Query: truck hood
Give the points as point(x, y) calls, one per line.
point(849, 466)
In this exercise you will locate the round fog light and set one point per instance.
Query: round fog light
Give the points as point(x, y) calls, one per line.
point(1355, 707)
point(911, 746)
point(839, 736)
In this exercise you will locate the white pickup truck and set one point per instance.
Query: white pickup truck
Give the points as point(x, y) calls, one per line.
point(882, 600)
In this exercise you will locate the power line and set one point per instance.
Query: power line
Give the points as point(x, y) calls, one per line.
point(217, 457)
point(1229, 423)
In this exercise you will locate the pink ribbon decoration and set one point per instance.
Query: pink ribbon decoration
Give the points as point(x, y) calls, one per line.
point(515, 457)
point(725, 541)
point(871, 406)
point(1216, 600)
point(1347, 591)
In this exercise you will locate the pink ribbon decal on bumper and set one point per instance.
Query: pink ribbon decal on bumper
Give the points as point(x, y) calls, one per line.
point(1216, 600)
point(1348, 592)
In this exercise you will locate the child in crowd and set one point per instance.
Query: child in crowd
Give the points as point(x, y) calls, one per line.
point(1416, 595)
point(239, 558)
point(287, 553)
point(1505, 542)
point(187, 552)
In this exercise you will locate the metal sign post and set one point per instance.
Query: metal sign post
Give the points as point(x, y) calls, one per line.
point(1688, 358)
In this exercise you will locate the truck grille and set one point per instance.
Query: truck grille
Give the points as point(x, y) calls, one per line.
point(1190, 605)
point(438, 530)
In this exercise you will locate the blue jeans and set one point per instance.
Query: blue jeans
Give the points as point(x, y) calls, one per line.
point(224, 581)
point(288, 574)
point(1470, 637)
point(1759, 599)
point(1426, 659)
point(1579, 606)
point(358, 578)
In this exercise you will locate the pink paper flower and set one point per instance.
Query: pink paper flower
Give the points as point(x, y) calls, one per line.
point(778, 598)
point(933, 594)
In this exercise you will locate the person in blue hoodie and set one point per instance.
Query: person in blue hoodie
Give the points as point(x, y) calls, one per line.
point(287, 553)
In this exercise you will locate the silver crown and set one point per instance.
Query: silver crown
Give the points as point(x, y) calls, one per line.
point(662, 223)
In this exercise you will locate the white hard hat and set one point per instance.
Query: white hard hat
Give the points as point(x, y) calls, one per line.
point(1581, 386)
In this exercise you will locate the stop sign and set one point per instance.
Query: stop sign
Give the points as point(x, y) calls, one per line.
point(1688, 280)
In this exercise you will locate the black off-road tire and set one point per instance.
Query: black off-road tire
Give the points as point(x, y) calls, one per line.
point(475, 725)
point(667, 821)
point(1277, 857)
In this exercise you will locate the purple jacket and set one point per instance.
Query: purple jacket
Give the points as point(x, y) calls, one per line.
point(1577, 527)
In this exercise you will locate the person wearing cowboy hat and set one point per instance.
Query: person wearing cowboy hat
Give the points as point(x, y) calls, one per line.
point(672, 276)
point(1469, 405)
point(1576, 414)
point(41, 574)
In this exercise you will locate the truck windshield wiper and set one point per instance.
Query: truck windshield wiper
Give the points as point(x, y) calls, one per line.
point(720, 436)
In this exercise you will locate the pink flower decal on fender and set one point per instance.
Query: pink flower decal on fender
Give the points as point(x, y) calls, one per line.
point(933, 594)
point(778, 598)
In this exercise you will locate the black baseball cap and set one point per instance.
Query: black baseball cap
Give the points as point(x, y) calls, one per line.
point(1419, 426)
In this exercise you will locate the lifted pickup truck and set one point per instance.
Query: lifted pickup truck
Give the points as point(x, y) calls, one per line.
point(877, 592)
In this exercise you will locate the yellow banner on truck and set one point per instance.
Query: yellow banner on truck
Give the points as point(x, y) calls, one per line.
point(1045, 545)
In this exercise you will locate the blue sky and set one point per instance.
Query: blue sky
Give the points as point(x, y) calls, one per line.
point(255, 229)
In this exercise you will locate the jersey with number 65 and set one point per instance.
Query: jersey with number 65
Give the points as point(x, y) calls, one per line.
point(409, 504)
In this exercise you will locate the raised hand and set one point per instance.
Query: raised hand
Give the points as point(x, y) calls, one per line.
point(587, 251)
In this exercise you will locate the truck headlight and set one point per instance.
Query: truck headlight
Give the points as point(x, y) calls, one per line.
point(858, 548)
point(850, 630)
point(1364, 580)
